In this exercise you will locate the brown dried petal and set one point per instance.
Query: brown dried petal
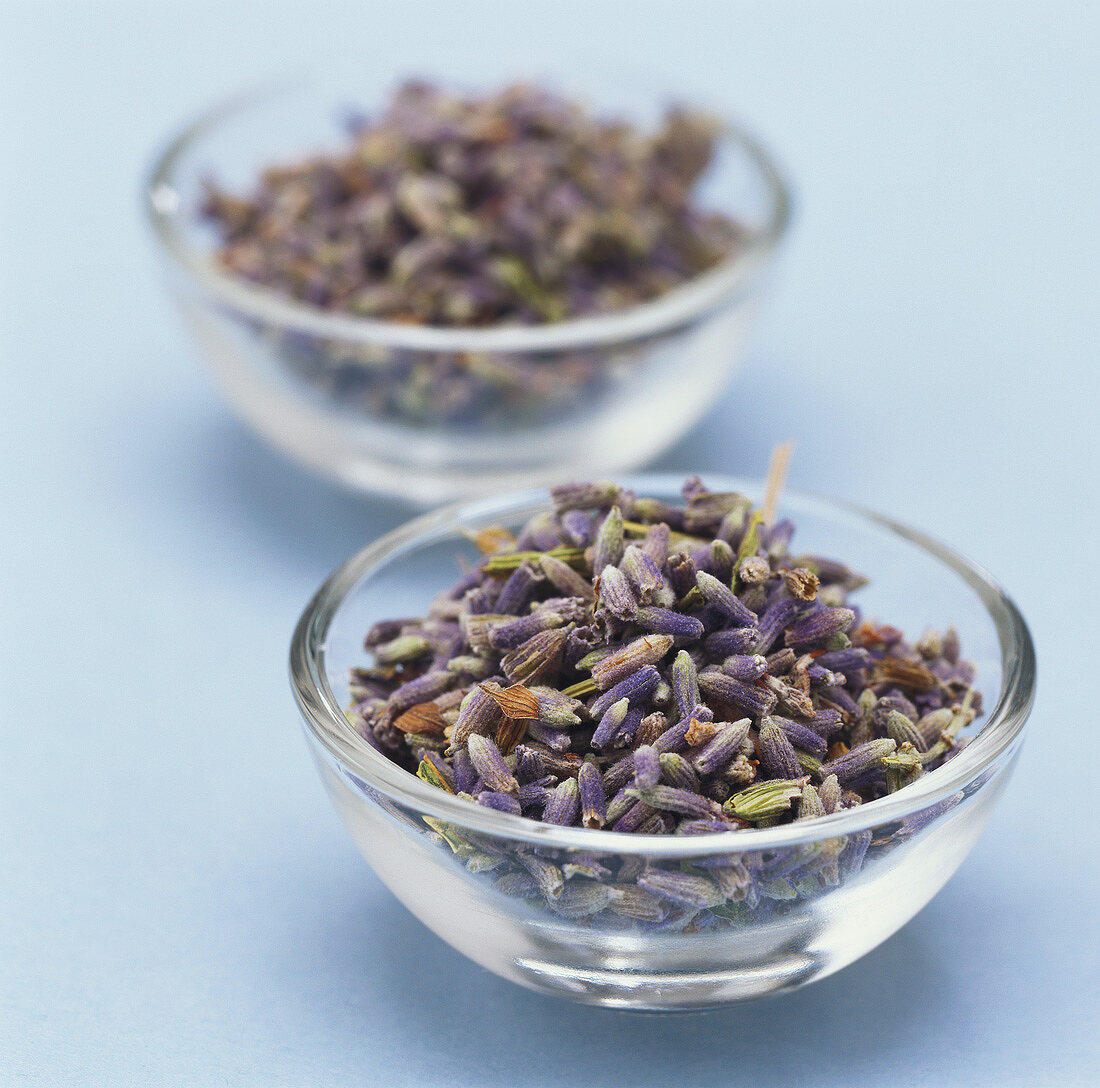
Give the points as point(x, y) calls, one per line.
point(515, 702)
point(423, 718)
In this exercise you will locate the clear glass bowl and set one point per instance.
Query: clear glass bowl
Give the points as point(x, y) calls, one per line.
point(555, 909)
point(431, 413)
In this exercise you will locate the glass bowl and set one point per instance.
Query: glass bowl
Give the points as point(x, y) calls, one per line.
point(556, 909)
point(431, 413)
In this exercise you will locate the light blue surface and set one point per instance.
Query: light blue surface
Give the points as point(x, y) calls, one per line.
point(178, 903)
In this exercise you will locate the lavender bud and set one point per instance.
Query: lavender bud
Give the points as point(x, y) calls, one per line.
point(859, 761)
point(478, 713)
point(645, 577)
point(490, 764)
point(811, 804)
point(580, 899)
point(685, 683)
point(676, 771)
point(745, 697)
point(615, 594)
point(563, 804)
point(647, 767)
point(507, 636)
point(608, 549)
point(634, 688)
point(686, 888)
point(681, 573)
point(666, 622)
point(586, 496)
point(566, 579)
point(578, 527)
point(802, 736)
point(647, 650)
point(533, 795)
point(593, 799)
point(736, 640)
point(610, 721)
point(773, 620)
point(829, 792)
point(633, 902)
point(502, 802)
point(723, 598)
point(903, 731)
point(520, 589)
point(538, 659)
point(549, 877)
point(819, 626)
point(765, 799)
point(722, 749)
point(776, 751)
point(745, 667)
point(655, 544)
point(671, 799)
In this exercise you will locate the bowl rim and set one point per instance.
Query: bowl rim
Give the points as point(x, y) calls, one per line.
point(327, 724)
point(724, 282)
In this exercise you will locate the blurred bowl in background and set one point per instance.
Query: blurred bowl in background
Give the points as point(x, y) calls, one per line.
point(584, 396)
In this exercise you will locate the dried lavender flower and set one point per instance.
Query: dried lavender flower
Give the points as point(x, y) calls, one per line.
point(578, 676)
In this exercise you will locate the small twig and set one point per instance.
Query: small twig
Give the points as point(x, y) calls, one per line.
point(777, 473)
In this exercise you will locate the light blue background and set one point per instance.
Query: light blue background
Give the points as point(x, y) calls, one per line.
point(178, 903)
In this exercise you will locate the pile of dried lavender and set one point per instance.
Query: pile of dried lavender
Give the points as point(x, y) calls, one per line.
point(637, 666)
point(517, 207)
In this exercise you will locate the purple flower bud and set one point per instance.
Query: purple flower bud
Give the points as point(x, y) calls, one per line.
point(685, 682)
point(464, 771)
point(578, 527)
point(677, 771)
point(686, 888)
point(666, 622)
point(745, 667)
point(490, 764)
point(585, 496)
point(865, 758)
point(615, 594)
point(801, 736)
point(748, 698)
point(519, 590)
point(737, 640)
point(610, 721)
point(645, 577)
point(671, 799)
point(848, 661)
point(776, 751)
point(720, 596)
point(719, 751)
point(421, 690)
point(681, 573)
point(593, 799)
point(502, 802)
point(507, 636)
point(655, 544)
point(635, 816)
point(774, 619)
point(565, 578)
point(647, 767)
point(533, 795)
point(819, 625)
point(634, 689)
point(562, 804)
point(617, 666)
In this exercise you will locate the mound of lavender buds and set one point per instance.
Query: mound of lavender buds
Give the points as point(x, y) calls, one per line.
point(517, 207)
point(642, 667)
